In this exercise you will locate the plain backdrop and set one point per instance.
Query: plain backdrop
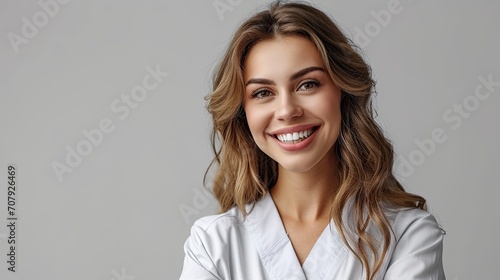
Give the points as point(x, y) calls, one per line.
point(110, 173)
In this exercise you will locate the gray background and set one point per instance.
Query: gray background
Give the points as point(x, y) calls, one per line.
point(118, 213)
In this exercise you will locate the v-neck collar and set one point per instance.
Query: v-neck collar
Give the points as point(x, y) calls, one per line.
point(276, 251)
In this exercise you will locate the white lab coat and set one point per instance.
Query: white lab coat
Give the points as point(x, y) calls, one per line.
point(226, 247)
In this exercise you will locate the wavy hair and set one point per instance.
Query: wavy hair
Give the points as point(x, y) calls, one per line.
point(244, 173)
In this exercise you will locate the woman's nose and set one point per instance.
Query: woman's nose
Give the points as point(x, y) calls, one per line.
point(288, 107)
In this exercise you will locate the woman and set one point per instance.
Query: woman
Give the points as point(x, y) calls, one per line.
point(304, 178)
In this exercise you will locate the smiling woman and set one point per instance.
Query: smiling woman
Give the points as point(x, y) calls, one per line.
point(304, 178)
point(297, 97)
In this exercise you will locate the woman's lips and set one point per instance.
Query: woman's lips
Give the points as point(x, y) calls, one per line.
point(300, 143)
point(295, 137)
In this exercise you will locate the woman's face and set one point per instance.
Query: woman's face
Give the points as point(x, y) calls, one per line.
point(291, 104)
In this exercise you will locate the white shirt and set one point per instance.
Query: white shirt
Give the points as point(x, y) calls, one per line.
point(226, 247)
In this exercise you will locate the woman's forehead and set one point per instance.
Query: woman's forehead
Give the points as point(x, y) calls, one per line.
point(281, 55)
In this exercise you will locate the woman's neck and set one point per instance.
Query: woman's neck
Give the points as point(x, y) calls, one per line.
point(306, 197)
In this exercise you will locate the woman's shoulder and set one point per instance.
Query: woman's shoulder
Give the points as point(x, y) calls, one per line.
point(413, 221)
point(213, 243)
point(232, 218)
point(228, 219)
point(219, 228)
point(417, 247)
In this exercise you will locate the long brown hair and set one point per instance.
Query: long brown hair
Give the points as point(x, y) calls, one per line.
point(245, 173)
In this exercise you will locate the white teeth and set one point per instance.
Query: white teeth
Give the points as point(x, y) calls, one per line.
point(295, 136)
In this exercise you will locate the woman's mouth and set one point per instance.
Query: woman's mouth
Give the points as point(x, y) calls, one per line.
point(295, 137)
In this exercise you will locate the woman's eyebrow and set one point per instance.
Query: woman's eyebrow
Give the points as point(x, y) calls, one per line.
point(293, 77)
point(260, 81)
point(304, 71)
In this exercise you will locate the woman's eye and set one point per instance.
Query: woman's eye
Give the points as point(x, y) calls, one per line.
point(308, 85)
point(261, 94)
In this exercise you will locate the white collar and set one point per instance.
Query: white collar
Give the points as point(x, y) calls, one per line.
point(276, 251)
